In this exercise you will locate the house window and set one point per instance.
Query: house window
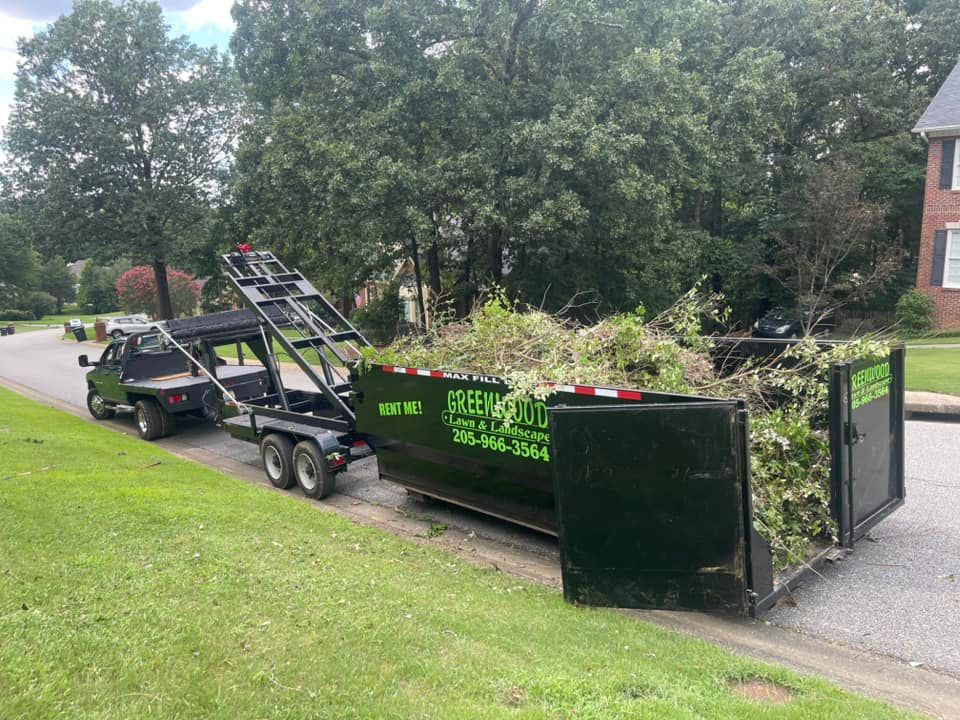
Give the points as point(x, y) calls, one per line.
point(951, 266)
point(956, 164)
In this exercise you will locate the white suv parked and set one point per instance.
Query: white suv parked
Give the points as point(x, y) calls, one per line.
point(118, 327)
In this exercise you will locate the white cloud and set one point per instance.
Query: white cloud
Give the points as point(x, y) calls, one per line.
point(11, 29)
point(211, 18)
point(208, 12)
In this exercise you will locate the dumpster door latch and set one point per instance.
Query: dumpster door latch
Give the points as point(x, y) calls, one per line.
point(854, 436)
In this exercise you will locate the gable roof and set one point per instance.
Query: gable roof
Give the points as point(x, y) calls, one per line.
point(943, 112)
point(76, 268)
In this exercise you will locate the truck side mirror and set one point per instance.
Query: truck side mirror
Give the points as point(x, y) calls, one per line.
point(85, 362)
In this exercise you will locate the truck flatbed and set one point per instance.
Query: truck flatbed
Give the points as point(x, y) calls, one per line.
point(229, 375)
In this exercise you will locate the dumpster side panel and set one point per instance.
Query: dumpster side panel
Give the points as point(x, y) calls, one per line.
point(441, 433)
point(650, 506)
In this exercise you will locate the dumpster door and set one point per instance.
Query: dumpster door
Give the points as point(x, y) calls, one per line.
point(875, 441)
point(651, 505)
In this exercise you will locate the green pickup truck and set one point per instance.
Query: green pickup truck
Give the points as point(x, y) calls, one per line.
point(158, 382)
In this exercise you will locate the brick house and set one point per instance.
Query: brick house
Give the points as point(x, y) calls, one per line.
point(938, 271)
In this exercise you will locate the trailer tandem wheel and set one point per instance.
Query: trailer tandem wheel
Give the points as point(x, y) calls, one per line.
point(276, 452)
point(311, 471)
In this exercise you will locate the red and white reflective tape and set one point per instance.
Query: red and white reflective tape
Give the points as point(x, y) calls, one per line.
point(575, 389)
point(599, 392)
point(411, 371)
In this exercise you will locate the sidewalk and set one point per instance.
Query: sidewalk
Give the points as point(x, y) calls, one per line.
point(921, 405)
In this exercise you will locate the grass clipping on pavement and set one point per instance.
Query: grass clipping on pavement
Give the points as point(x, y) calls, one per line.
point(137, 585)
point(787, 396)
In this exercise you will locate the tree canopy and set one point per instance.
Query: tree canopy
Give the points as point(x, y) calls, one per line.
point(119, 133)
point(623, 149)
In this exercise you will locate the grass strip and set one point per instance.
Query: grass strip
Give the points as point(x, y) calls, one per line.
point(933, 370)
point(134, 584)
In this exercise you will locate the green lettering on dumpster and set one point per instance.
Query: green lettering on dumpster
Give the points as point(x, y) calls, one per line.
point(478, 419)
point(870, 383)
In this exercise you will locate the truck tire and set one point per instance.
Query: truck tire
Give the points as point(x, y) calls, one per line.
point(98, 406)
point(311, 471)
point(276, 452)
point(169, 423)
point(149, 419)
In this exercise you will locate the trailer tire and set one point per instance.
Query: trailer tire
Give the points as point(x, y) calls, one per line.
point(98, 407)
point(311, 471)
point(276, 452)
point(148, 416)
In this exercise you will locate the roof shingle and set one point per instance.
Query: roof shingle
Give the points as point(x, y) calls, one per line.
point(943, 112)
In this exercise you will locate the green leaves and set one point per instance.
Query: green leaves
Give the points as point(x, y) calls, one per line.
point(117, 136)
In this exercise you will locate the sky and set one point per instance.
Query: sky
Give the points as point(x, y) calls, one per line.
point(206, 22)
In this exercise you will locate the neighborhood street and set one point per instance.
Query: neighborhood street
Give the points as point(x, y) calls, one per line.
point(897, 595)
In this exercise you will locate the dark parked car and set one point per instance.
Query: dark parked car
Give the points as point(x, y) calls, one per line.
point(780, 323)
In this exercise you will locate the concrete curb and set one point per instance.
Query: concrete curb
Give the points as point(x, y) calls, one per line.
point(931, 406)
point(915, 688)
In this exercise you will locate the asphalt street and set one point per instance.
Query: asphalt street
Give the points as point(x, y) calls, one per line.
point(897, 595)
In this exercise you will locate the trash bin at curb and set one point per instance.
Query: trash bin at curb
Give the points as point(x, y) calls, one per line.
point(100, 330)
point(11, 329)
point(3, 331)
point(80, 333)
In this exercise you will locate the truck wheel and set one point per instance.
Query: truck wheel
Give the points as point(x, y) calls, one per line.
point(169, 423)
point(276, 451)
point(149, 418)
point(311, 471)
point(98, 406)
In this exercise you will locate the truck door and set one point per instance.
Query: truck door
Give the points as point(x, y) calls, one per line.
point(107, 377)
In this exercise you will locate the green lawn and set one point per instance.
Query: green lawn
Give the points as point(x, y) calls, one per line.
point(230, 351)
point(933, 370)
point(934, 340)
point(138, 585)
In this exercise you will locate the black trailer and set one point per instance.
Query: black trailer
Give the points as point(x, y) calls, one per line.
point(648, 493)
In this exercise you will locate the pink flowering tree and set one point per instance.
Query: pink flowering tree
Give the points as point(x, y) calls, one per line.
point(137, 291)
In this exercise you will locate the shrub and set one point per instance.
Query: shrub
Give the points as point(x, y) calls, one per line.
point(39, 303)
point(380, 318)
point(915, 313)
point(15, 315)
point(137, 290)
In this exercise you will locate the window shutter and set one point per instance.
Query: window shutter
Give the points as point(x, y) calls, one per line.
point(939, 257)
point(946, 164)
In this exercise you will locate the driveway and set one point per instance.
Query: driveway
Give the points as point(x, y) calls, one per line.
point(898, 595)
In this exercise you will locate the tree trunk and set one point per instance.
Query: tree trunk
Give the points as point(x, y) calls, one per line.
point(495, 249)
point(418, 278)
point(433, 264)
point(164, 306)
